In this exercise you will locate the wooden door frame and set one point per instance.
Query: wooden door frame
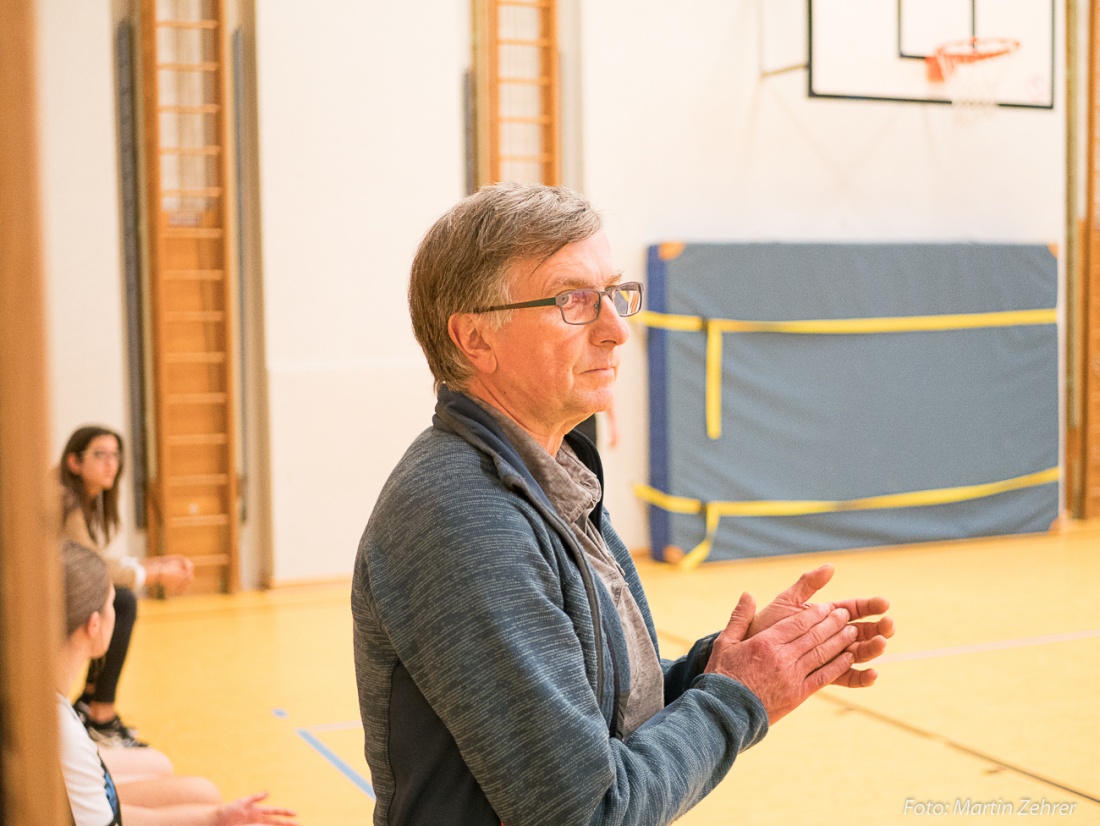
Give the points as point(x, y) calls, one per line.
point(30, 588)
point(1082, 447)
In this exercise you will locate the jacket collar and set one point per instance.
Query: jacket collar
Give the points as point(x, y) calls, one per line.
point(457, 413)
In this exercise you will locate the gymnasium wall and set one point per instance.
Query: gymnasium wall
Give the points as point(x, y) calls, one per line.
point(361, 148)
point(670, 131)
point(82, 257)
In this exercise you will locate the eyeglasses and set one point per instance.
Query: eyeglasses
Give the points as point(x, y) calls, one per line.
point(583, 306)
point(104, 455)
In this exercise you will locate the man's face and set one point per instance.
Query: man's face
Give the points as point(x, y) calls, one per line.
point(550, 375)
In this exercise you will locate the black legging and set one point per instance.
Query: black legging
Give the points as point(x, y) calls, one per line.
point(104, 673)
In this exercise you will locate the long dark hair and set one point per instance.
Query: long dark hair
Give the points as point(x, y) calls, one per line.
point(101, 513)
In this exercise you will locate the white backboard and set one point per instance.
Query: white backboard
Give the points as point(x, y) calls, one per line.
point(876, 49)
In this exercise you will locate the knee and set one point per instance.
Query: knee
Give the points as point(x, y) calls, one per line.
point(157, 762)
point(202, 790)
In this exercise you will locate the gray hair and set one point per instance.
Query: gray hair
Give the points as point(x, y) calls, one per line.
point(463, 262)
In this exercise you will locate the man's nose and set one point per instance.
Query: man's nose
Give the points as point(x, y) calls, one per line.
point(609, 324)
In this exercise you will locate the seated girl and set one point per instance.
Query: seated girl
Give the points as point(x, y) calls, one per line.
point(90, 468)
point(149, 794)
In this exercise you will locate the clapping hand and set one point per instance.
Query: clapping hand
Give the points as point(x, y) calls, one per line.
point(787, 662)
point(871, 637)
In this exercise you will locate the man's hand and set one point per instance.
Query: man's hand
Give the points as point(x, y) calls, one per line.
point(872, 636)
point(786, 663)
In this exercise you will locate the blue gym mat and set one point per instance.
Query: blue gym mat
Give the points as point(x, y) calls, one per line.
point(919, 403)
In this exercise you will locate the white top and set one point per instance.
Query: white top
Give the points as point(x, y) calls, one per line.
point(92, 795)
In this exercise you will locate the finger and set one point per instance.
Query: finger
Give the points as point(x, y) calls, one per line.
point(883, 627)
point(826, 627)
point(867, 650)
point(742, 615)
point(831, 671)
point(827, 640)
point(857, 678)
point(792, 627)
point(809, 584)
point(277, 816)
point(867, 607)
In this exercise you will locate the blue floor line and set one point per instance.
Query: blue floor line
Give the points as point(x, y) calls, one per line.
point(341, 766)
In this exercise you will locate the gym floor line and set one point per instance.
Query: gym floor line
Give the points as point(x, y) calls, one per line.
point(986, 695)
point(310, 736)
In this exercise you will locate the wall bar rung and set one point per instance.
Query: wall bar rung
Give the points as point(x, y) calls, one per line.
point(192, 275)
point(197, 439)
point(190, 150)
point(187, 67)
point(187, 24)
point(197, 480)
point(203, 109)
point(195, 315)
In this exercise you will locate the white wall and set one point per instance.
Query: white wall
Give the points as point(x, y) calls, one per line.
point(81, 225)
point(361, 148)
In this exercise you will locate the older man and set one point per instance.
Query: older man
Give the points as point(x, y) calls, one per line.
point(505, 654)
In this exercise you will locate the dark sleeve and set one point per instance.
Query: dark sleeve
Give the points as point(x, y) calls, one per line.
point(681, 674)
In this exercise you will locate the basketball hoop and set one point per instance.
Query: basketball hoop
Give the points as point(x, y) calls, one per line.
point(968, 70)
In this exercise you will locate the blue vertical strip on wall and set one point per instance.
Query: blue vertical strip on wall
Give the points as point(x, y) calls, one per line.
point(127, 153)
point(658, 402)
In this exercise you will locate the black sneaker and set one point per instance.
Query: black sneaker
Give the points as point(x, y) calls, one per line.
point(114, 734)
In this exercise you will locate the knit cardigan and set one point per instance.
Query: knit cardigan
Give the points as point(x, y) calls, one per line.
point(491, 663)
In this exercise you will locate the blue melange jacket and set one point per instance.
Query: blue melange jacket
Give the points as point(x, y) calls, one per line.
point(490, 660)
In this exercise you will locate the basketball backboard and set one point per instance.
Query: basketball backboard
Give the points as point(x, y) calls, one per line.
point(876, 49)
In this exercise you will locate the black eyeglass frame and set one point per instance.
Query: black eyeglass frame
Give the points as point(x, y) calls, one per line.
point(561, 299)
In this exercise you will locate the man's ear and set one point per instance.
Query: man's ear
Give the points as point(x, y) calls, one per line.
point(474, 339)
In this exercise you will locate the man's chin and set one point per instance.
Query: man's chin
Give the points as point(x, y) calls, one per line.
point(597, 401)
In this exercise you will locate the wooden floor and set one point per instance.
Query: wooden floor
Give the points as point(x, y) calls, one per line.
point(989, 694)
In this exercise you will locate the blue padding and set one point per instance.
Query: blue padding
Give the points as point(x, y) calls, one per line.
point(839, 417)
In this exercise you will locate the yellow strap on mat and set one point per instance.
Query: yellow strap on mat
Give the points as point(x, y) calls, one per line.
point(715, 327)
point(714, 511)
